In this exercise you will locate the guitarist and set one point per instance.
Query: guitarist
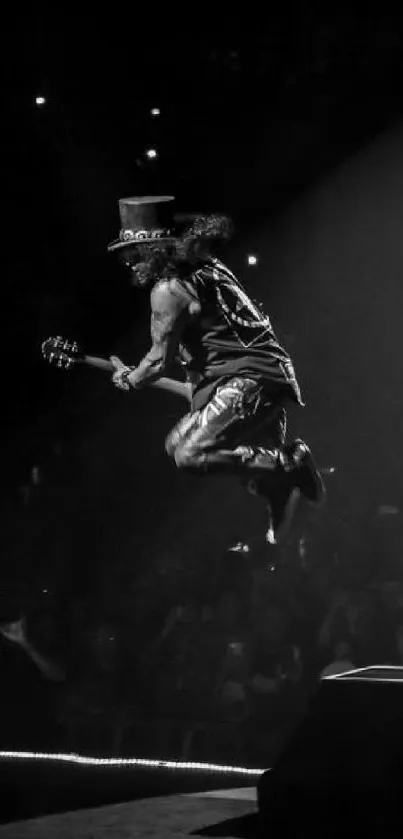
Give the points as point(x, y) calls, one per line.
point(240, 378)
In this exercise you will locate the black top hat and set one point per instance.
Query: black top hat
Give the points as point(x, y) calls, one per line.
point(148, 218)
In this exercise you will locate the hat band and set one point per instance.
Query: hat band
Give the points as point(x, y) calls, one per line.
point(129, 235)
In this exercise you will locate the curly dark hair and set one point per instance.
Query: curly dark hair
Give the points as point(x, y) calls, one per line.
point(198, 240)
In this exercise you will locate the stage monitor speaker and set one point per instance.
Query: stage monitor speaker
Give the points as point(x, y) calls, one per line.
point(343, 767)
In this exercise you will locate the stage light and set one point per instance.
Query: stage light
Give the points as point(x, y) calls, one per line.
point(152, 154)
point(155, 112)
point(252, 260)
point(239, 548)
point(131, 761)
point(388, 510)
point(40, 100)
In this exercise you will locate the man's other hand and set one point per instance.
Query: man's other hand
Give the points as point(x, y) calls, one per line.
point(120, 369)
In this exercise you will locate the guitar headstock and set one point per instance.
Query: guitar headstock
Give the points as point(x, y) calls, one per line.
point(60, 352)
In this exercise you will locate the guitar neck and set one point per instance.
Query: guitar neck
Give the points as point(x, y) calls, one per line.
point(170, 385)
point(100, 363)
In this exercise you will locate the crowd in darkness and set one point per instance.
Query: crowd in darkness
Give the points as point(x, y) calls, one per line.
point(216, 664)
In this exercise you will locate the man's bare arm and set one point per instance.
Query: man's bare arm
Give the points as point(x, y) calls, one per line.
point(170, 312)
point(183, 389)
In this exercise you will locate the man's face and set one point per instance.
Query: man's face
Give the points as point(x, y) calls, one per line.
point(131, 255)
point(135, 260)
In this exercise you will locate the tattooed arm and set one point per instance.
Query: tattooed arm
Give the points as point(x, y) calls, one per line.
point(171, 310)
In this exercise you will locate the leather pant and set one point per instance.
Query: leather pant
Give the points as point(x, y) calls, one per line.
point(224, 435)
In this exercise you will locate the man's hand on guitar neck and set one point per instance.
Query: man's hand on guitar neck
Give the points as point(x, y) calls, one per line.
point(121, 373)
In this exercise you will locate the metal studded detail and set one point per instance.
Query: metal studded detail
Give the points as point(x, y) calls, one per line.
point(129, 235)
point(125, 235)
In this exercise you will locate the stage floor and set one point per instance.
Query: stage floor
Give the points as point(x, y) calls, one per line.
point(227, 813)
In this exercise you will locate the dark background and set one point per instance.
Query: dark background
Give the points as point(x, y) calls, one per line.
point(292, 124)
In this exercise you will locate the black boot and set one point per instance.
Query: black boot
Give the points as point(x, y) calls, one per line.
point(281, 477)
point(281, 510)
point(274, 480)
point(302, 466)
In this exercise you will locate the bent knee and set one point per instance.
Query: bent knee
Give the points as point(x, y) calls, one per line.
point(170, 445)
point(188, 458)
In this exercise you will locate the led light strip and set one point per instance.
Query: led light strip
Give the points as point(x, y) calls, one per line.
point(132, 761)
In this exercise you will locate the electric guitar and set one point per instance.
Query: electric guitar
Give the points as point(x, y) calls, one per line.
point(66, 354)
